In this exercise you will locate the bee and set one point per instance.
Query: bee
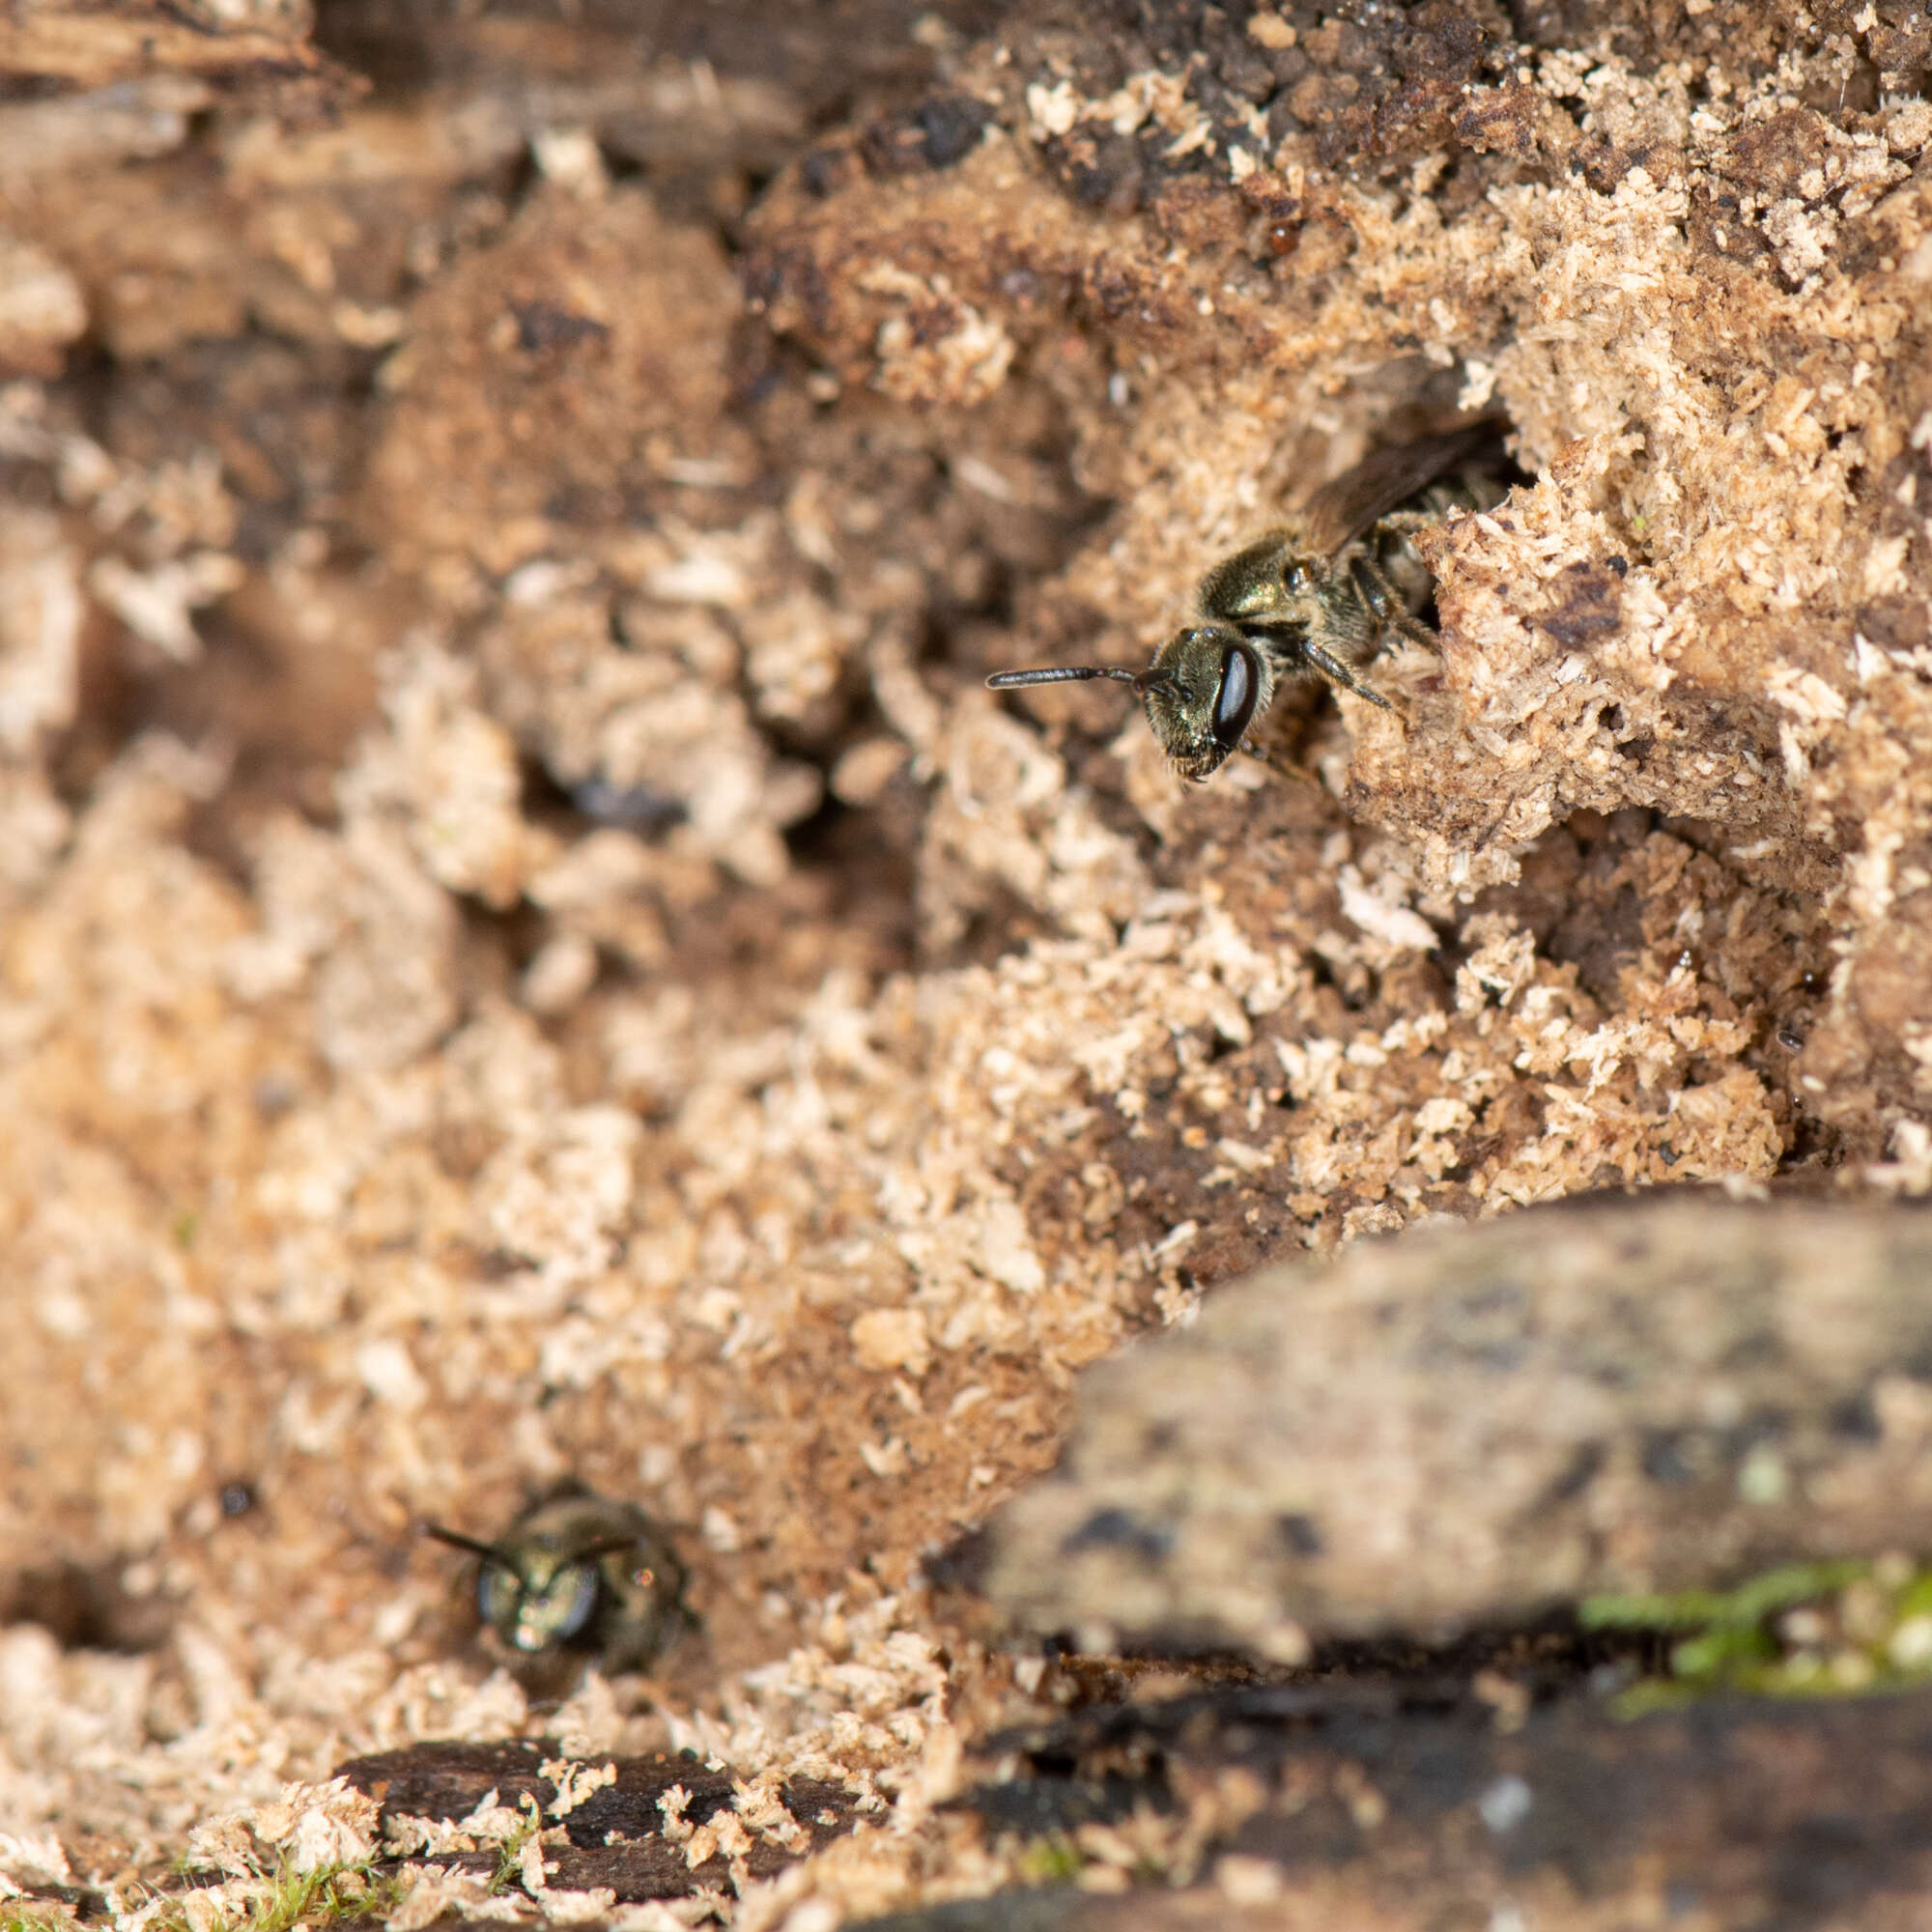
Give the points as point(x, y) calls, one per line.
point(1315, 596)
point(579, 1571)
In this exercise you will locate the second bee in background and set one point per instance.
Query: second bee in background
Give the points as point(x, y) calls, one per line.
point(577, 1572)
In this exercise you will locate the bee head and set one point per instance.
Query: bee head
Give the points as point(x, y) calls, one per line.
point(545, 1599)
point(530, 1594)
point(1203, 691)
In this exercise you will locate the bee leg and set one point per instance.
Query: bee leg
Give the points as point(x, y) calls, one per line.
point(1337, 672)
point(1293, 768)
point(1416, 632)
point(1380, 595)
point(1403, 522)
point(1288, 768)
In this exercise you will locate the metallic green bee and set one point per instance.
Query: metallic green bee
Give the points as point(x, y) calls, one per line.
point(1316, 595)
point(579, 1571)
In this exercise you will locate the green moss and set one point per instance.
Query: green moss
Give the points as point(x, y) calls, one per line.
point(320, 1897)
point(1053, 1859)
point(17, 1916)
point(329, 1895)
point(509, 1861)
point(1803, 1630)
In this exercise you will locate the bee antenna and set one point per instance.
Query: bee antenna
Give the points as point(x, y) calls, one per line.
point(456, 1540)
point(1012, 680)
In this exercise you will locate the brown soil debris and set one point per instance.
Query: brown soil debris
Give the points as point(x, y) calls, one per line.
point(1325, 1808)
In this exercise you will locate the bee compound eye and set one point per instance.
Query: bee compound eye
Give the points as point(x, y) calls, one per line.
point(1235, 701)
point(576, 1599)
point(500, 1592)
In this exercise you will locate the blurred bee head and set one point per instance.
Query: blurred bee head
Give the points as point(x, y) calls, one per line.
point(583, 1573)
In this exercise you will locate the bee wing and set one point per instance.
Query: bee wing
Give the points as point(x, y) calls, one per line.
point(1340, 511)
